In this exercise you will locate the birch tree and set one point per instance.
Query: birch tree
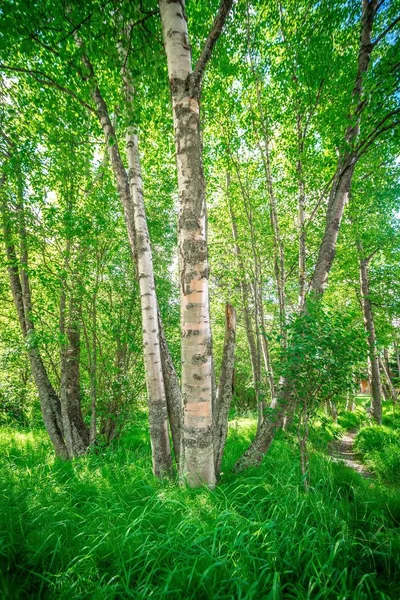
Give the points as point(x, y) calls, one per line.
point(185, 85)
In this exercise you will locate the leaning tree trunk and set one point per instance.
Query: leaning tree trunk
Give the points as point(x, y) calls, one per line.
point(396, 348)
point(49, 401)
point(162, 463)
point(156, 397)
point(348, 158)
point(225, 388)
point(337, 200)
point(160, 447)
point(390, 386)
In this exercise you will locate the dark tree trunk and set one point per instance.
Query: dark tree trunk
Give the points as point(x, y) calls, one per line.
point(225, 388)
point(49, 401)
point(76, 434)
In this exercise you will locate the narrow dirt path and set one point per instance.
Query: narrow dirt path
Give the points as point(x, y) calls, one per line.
point(342, 451)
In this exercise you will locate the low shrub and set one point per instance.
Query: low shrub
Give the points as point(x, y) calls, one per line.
point(385, 463)
point(349, 420)
point(391, 417)
point(374, 438)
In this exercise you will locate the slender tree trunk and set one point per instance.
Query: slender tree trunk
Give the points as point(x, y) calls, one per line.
point(225, 388)
point(302, 436)
point(91, 350)
point(333, 410)
point(76, 434)
point(391, 388)
point(396, 349)
point(279, 255)
point(244, 292)
point(172, 393)
point(260, 340)
point(257, 294)
point(386, 358)
point(347, 160)
point(49, 401)
point(158, 419)
point(338, 197)
point(350, 403)
point(373, 361)
point(197, 465)
point(160, 446)
point(93, 369)
point(301, 218)
point(267, 356)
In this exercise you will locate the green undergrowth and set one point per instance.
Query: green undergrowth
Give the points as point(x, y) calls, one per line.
point(103, 528)
point(379, 448)
point(323, 430)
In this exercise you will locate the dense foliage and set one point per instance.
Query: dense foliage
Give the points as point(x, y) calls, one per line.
point(199, 206)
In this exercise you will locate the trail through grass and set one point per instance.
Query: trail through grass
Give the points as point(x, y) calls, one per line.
point(104, 528)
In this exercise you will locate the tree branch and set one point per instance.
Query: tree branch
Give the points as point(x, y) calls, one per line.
point(76, 28)
point(318, 203)
point(376, 132)
point(388, 28)
point(219, 22)
point(47, 81)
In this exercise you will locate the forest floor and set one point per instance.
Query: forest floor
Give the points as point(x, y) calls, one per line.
point(103, 528)
point(342, 450)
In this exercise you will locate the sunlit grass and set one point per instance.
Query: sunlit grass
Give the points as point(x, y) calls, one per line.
point(104, 528)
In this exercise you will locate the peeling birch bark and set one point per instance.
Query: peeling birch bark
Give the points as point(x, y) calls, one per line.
point(197, 464)
point(197, 460)
point(161, 453)
point(156, 396)
point(127, 187)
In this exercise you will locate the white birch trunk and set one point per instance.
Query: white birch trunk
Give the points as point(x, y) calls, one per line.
point(197, 464)
point(158, 420)
point(152, 349)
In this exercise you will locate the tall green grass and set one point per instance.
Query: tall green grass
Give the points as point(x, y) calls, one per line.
point(103, 528)
point(380, 450)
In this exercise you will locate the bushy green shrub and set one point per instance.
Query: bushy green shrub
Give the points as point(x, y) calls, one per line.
point(323, 431)
point(380, 449)
point(386, 463)
point(349, 420)
point(375, 438)
point(391, 417)
point(14, 410)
